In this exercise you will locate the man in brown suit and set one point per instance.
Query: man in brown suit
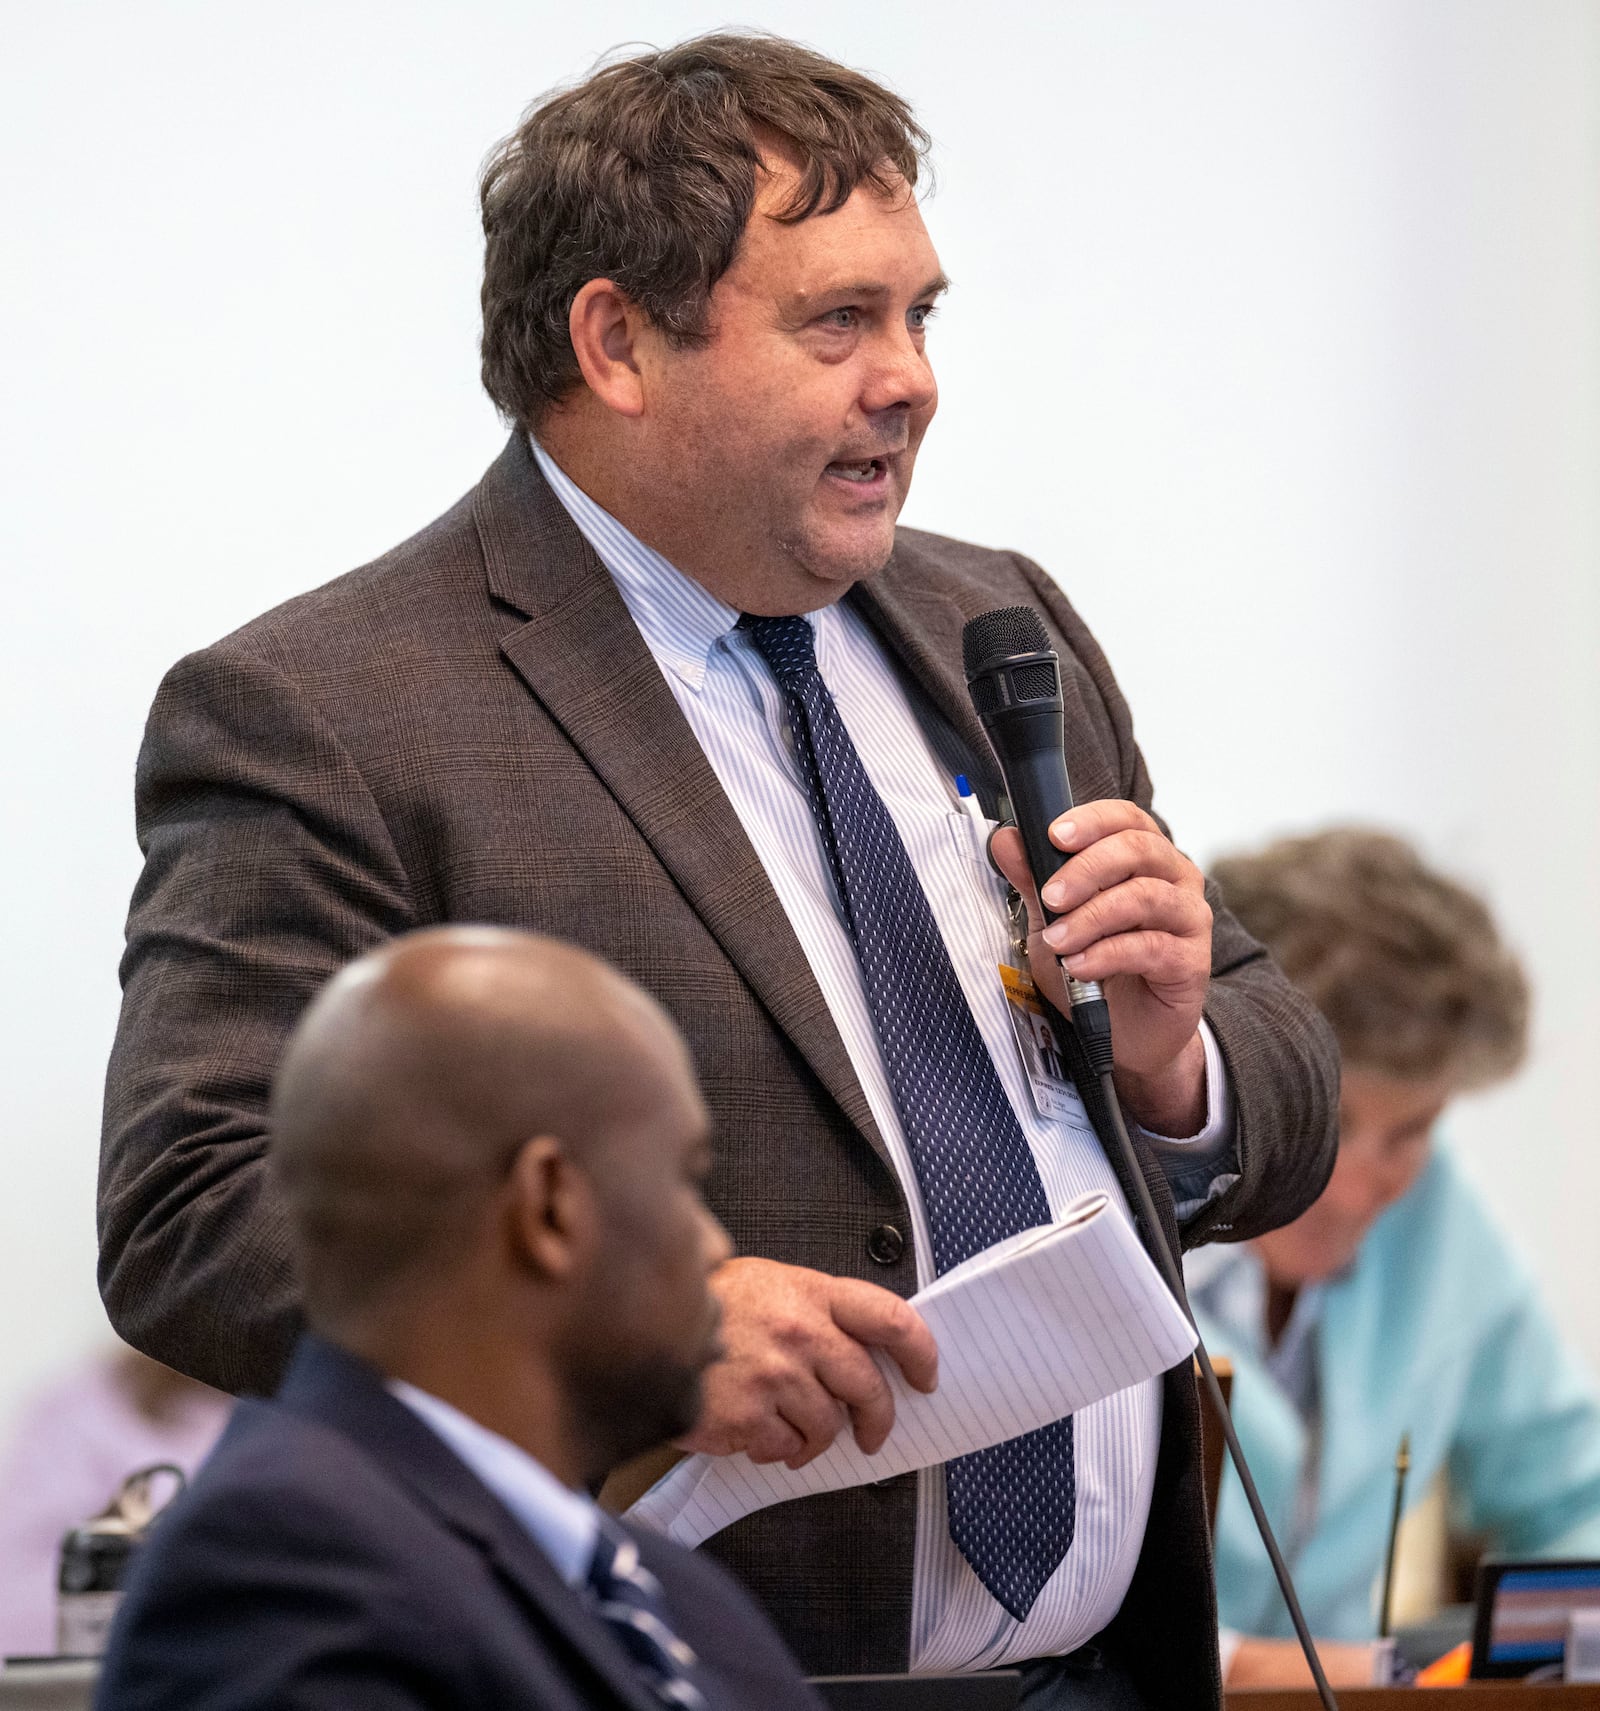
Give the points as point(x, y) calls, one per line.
point(706, 295)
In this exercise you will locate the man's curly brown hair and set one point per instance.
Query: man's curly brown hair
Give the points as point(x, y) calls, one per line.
point(645, 174)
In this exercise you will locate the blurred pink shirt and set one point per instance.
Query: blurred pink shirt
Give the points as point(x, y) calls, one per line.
point(70, 1447)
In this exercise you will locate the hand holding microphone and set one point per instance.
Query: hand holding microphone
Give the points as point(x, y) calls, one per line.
point(1126, 912)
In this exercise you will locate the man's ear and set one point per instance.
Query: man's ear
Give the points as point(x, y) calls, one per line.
point(554, 1217)
point(605, 326)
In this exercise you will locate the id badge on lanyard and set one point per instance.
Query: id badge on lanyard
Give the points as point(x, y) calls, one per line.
point(1042, 1063)
point(1048, 1081)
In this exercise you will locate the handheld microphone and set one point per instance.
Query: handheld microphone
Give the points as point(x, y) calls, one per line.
point(1014, 679)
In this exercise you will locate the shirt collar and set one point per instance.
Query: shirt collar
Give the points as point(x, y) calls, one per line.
point(563, 1523)
point(681, 622)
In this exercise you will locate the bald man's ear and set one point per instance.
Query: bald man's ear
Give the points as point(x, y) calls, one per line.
point(605, 326)
point(555, 1220)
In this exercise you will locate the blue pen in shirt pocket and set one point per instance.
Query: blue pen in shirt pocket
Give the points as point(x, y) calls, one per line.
point(971, 829)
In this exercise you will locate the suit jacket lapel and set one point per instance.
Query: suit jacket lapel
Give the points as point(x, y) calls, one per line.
point(327, 1384)
point(920, 626)
point(582, 655)
point(920, 612)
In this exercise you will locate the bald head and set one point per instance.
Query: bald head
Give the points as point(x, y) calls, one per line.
point(419, 1074)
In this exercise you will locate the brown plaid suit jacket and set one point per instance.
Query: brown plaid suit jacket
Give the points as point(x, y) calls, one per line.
point(472, 729)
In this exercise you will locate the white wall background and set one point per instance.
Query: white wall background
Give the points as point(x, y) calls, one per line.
point(1276, 336)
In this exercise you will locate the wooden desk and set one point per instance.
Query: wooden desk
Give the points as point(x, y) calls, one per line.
point(1212, 1443)
point(1470, 1696)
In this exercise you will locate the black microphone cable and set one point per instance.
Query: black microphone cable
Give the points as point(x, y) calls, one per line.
point(1169, 1270)
point(1014, 678)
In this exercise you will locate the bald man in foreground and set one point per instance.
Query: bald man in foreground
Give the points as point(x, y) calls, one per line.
point(491, 1146)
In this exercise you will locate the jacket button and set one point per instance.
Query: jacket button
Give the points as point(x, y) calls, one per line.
point(885, 1245)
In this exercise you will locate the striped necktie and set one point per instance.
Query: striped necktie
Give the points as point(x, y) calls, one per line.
point(1012, 1507)
point(627, 1597)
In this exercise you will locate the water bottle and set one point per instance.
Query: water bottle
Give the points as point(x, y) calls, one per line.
point(96, 1557)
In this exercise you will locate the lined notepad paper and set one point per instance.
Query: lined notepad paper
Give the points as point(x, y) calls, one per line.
point(1030, 1330)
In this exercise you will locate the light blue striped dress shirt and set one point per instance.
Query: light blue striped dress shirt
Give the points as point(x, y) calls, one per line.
point(736, 711)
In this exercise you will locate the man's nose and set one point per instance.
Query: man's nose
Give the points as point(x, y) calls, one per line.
point(901, 378)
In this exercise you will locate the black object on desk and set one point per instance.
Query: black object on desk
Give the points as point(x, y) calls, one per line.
point(994, 1690)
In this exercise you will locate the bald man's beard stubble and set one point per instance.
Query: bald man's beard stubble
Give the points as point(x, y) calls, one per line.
point(634, 1403)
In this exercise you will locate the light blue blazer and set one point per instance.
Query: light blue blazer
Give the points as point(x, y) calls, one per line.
point(1436, 1330)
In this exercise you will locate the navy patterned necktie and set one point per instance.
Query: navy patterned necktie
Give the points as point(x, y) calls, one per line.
point(627, 1597)
point(1012, 1506)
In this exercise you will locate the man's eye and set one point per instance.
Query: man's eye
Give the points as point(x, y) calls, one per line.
point(921, 316)
point(844, 319)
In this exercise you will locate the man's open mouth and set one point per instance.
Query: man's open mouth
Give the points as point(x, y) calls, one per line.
point(866, 469)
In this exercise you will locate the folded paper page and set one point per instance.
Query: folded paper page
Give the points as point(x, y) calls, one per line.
point(1030, 1330)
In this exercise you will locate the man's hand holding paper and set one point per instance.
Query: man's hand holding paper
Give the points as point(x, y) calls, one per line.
point(1027, 1332)
point(797, 1363)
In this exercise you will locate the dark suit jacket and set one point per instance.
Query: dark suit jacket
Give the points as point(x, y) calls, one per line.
point(333, 1553)
point(472, 729)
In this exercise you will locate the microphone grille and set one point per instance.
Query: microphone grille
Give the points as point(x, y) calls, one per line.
point(995, 635)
